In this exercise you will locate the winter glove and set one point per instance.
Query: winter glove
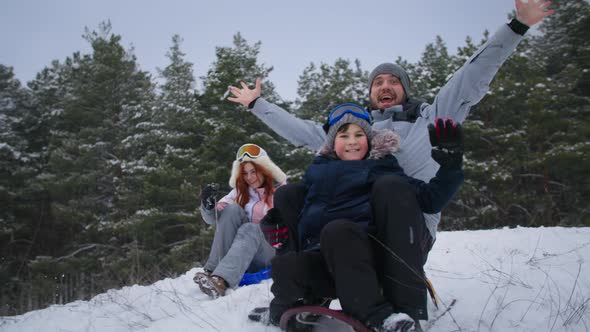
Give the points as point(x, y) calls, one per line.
point(208, 196)
point(275, 231)
point(446, 139)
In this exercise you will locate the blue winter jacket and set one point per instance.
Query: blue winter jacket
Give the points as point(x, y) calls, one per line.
point(337, 189)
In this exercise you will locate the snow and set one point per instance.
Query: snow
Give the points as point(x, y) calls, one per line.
point(15, 153)
point(522, 279)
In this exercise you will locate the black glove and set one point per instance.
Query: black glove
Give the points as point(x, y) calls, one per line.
point(208, 196)
point(447, 142)
point(275, 231)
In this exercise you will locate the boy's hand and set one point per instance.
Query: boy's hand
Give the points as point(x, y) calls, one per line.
point(275, 231)
point(447, 142)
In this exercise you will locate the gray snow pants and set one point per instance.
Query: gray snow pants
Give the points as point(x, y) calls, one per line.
point(238, 246)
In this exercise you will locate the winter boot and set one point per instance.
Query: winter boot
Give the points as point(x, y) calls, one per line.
point(303, 322)
point(260, 314)
point(201, 276)
point(395, 322)
point(299, 323)
point(214, 286)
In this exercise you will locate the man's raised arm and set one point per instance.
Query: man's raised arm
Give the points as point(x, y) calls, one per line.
point(301, 133)
point(472, 81)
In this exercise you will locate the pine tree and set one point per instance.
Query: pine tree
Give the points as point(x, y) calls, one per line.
point(12, 144)
point(560, 133)
point(15, 169)
point(179, 132)
point(528, 162)
point(230, 125)
point(432, 71)
point(94, 153)
point(169, 189)
point(564, 45)
point(321, 89)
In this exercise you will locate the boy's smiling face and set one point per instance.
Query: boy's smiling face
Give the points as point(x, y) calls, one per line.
point(351, 142)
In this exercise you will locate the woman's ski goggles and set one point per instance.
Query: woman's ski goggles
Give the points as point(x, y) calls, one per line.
point(251, 150)
point(349, 108)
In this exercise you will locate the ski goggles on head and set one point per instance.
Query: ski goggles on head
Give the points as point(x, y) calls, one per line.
point(251, 150)
point(349, 108)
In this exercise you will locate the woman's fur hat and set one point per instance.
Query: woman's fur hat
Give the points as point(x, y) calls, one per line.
point(263, 161)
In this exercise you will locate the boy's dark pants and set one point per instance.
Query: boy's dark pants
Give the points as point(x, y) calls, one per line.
point(343, 269)
point(398, 224)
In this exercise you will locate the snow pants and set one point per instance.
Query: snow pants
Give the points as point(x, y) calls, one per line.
point(238, 246)
point(399, 226)
point(344, 268)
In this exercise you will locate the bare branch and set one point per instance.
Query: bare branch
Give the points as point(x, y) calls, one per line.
point(85, 248)
point(542, 177)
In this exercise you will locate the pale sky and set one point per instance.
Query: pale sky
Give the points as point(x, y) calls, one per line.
point(293, 34)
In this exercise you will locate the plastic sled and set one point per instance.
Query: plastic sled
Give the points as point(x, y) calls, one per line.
point(255, 277)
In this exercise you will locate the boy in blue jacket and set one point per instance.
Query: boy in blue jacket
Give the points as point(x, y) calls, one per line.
point(335, 230)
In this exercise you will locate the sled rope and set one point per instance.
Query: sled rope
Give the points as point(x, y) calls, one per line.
point(426, 281)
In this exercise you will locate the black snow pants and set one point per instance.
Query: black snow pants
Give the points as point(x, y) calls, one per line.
point(344, 268)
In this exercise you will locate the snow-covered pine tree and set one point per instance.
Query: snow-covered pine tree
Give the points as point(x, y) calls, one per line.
point(18, 169)
point(166, 226)
point(528, 162)
point(322, 88)
point(230, 125)
point(433, 70)
point(13, 147)
point(95, 148)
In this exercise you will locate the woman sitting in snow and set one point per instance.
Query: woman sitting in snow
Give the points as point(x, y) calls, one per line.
point(239, 244)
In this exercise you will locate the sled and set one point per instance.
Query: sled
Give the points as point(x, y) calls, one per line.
point(327, 320)
point(255, 277)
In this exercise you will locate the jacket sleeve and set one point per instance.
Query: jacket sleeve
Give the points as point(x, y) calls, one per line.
point(301, 133)
point(471, 82)
point(436, 194)
point(208, 215)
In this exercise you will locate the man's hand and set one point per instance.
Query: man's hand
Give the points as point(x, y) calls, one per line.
point(532, 12)
point(245, 95)
point(447, 142)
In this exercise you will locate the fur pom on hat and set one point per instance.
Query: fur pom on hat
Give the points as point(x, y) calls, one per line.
point(385, 142)
point(393, 69)
point(263, 161)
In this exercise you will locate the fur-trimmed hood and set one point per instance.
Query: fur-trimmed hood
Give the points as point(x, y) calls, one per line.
point(384, 142)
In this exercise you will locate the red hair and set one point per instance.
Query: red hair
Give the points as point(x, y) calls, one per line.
point(242, 187)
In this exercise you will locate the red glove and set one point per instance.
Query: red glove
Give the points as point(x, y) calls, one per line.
point(275, 231)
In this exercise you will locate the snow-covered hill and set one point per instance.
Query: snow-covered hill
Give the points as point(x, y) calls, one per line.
point(523, 279)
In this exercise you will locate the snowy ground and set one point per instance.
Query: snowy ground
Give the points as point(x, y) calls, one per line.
point(524, 279)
